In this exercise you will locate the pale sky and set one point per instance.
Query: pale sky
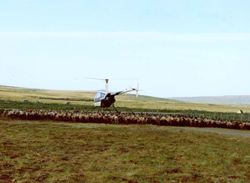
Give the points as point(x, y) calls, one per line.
point(172, 48)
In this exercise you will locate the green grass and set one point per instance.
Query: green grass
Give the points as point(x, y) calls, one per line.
point(16, 94)
point(70, 152)
point(12, 98)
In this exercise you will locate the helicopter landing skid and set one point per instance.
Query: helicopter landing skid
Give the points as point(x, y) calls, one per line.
point(116, 109)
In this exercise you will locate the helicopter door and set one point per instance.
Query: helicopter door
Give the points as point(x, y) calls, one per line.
point(108, 100)
point(98, 99)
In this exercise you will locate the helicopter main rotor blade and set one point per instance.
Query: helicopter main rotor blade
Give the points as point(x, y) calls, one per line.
point(106, 80)
point(96, 78)
point(112, 78)
point(125, 79)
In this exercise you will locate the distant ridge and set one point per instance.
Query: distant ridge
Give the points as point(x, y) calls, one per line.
point(229, 99)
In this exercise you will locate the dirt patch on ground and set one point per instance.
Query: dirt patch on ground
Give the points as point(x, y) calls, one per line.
point(221, 131)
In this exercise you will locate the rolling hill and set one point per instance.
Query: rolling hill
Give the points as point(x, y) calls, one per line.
point(13, 97)
point(231, 99)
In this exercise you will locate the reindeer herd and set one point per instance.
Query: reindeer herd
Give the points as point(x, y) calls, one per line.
point(122, 118)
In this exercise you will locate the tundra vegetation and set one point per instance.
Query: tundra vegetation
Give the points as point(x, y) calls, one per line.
point(50, 141)
point(13, 97)
point(35, 151)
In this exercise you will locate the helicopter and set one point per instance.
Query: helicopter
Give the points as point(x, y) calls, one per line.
point(105, 98)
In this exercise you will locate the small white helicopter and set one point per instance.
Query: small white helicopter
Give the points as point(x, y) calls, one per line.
point(105, 98)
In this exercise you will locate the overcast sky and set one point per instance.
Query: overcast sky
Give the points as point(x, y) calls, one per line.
point(172, 48)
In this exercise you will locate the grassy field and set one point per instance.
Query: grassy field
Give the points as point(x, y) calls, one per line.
point(12, 97)
point(75, 152)
point(46, 151)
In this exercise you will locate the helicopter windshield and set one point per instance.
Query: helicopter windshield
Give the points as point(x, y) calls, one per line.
point(99, 96)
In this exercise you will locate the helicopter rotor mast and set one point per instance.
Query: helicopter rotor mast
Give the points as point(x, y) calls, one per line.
point(106, 80)
point(107, 86)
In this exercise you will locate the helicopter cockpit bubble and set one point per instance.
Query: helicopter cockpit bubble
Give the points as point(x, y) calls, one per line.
point(99, 96)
